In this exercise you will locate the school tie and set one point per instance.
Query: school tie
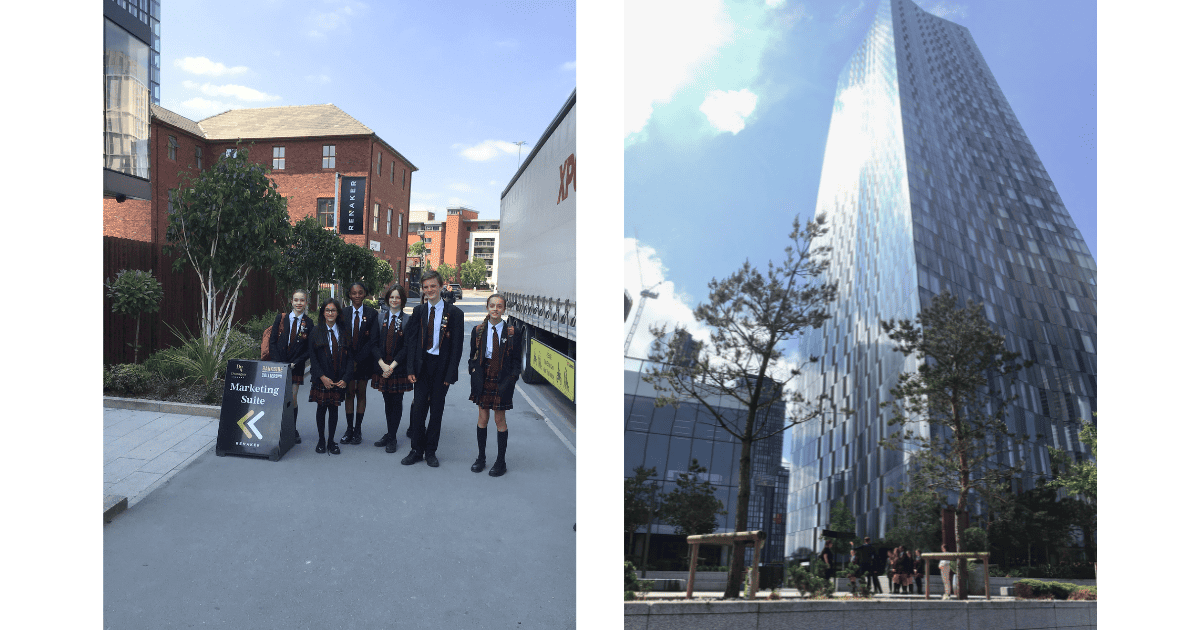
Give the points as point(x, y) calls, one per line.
point(390, 337)
point(334, 351)
point(295, 323)
point(494, 362)
point(429, 317)
point(357, 314)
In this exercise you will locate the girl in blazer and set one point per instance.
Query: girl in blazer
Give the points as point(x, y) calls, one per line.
point(494, 366)
point(391, 363)
point(289, 343)
point(332, 365)
point(362, 322)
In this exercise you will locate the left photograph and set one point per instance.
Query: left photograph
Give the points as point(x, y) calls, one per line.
point(339, 276)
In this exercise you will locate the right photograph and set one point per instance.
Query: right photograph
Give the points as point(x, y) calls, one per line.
point(860, 312)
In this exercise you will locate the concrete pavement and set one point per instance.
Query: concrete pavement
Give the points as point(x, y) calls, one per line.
point(353, 540)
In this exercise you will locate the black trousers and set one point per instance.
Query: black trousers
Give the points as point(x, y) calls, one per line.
point(875, 581)
point(429, 395)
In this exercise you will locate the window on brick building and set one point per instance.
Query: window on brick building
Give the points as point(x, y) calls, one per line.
point(375, 219)
point(393, 171)
point(277, 158)
point(199, 158)
point(379, 163)
point(329, 156)
point(230, 152)
point(172, 147)
point(389, 221)
point(325, 212)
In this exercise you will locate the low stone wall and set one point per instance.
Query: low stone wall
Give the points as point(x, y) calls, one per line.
point(835, 614)
point(935, 584)
point(705, 580)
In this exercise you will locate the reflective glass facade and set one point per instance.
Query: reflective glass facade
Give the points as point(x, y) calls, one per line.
point(668, 439)
point(930, 183)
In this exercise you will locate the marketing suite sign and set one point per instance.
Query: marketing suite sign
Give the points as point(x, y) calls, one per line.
point(350, 214)
point(256, 410)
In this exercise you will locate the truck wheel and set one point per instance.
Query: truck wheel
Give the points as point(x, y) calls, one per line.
point(528, 374)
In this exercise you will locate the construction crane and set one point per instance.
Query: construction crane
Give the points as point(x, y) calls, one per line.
point(647, 292)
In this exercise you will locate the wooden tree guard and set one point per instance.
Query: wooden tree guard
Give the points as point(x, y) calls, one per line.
point(759, 538)
point(946, 555)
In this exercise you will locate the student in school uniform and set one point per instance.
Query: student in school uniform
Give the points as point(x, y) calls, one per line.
point(436, 329)
point(362, 322)
point(494, 366)
point(332, 365)
point(390, 354)
point(289, 343)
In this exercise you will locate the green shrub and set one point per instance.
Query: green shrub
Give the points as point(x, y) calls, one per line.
point(196, 361)
point(809, 579)
point(634, 586)
point(974, 539)
point(1039, 589)
point(127, 379)
point(372, 303)
point(256, 325)
point(1083, 593)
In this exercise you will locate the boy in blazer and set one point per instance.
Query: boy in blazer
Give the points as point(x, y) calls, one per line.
point(436, 333)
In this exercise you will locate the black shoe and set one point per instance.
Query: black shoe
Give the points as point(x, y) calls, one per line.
point(297, 436)
point(412, 458)
point(391, 446)
point(479, 465)
point(333, 448)
point(431, 459)
point(320, 446)
point(357, 437)
point(348, 436)
point(383, 441)
point(498, 469)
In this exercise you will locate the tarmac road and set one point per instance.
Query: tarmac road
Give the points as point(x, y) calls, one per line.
point(356, 540)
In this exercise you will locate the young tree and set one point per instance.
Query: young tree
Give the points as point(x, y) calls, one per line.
point(639, 502)
point(958, 389)
point(752, 317)
point(841, 519)
point(133, 293)
point(226, 221)
point(355, 263)
point(916, 522)
point(449, 273)
point(384, 276)
point(308, 257)
point(473, 273)
point(1079, 478)
point(692, 506)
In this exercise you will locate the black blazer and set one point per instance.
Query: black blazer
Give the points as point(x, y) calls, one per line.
point(322, 360)
point(281, 330)
point(512, 344)
point(450, 350)
point(366, 332)
point(399, 350)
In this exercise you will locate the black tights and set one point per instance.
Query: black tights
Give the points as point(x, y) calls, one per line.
point(322, 410)
point(393, 410)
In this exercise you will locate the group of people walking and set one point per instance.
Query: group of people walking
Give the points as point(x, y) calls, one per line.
point(904, 572)
point(397, 353)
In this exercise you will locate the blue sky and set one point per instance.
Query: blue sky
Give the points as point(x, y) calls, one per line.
point(451, 85)
point(725, 128)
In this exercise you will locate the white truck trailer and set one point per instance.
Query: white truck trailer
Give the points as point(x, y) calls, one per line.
point(536, 270)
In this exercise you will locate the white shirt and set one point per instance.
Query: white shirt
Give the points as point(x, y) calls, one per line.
point(335, 335)
point(498, 330)
point(435, 311)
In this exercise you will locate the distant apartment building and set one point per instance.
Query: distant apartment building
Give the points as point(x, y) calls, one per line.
point(462, 237)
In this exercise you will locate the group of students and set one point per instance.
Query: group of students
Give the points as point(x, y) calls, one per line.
point(903, 570)
point(399, 353)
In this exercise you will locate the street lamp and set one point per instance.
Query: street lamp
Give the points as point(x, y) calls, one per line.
point(519, 152)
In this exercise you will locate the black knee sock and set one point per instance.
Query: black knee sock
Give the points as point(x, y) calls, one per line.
point(393, 408)
point(358, 418)
point(333, 420)
point(321, 422)
point(481, 438)
point(349, 419)
point(501, 444)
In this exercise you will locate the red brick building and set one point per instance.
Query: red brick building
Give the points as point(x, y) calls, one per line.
point(458, 239)
point(307, 147)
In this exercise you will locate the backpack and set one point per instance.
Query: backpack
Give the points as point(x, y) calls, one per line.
point(266, 340)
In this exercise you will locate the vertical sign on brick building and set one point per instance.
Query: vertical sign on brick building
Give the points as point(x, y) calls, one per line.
point(350, 215)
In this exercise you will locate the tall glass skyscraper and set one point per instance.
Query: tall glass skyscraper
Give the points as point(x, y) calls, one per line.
point(929, 183)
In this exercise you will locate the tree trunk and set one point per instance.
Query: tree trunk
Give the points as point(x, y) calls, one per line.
point(737, 563)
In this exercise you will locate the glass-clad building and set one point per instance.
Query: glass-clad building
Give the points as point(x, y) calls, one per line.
point(667, 439)
point(131, 84)
point(930, 184)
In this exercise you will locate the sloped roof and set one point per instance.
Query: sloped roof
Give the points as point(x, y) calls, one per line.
point(175, 120)
point(282, 122)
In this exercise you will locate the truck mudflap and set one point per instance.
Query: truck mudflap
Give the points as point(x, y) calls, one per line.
point(552, 315)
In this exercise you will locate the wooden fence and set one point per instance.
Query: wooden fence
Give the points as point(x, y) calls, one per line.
point(181, 304)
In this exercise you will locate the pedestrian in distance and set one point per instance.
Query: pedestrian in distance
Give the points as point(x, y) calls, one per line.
point(332, 365)
point(903, 571)
point(873, 562)
point(947, 575)
point(289, 344)
point(853, 569)
point(390, 353)
point(494, 365)
point(827, 558)
point(362, 322)
point(919, 571)
point(436, 328)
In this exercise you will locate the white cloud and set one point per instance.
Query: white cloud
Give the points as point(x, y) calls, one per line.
point(319, 79)
point(198, 108)
point(727, 110)
point(570, 65)
point(668, 309)
point(487, 150)
point(202, 65)
point(774, 3)
point(508, 43)
point(239, 92)
point(658, 60)
point(322, 22)
point(944, 9)
point(461, 187)
point(457, 202)
point(424, 207)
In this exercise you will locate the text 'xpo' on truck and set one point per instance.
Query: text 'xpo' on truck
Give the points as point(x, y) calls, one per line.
point(536, 268)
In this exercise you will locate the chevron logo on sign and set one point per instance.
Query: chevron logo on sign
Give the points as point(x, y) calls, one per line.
point(247, 421)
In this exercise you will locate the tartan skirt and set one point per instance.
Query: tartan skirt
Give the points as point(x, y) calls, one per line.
point(490, 397)
point(298, 374)
point(395, 384)
point(322, 396)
